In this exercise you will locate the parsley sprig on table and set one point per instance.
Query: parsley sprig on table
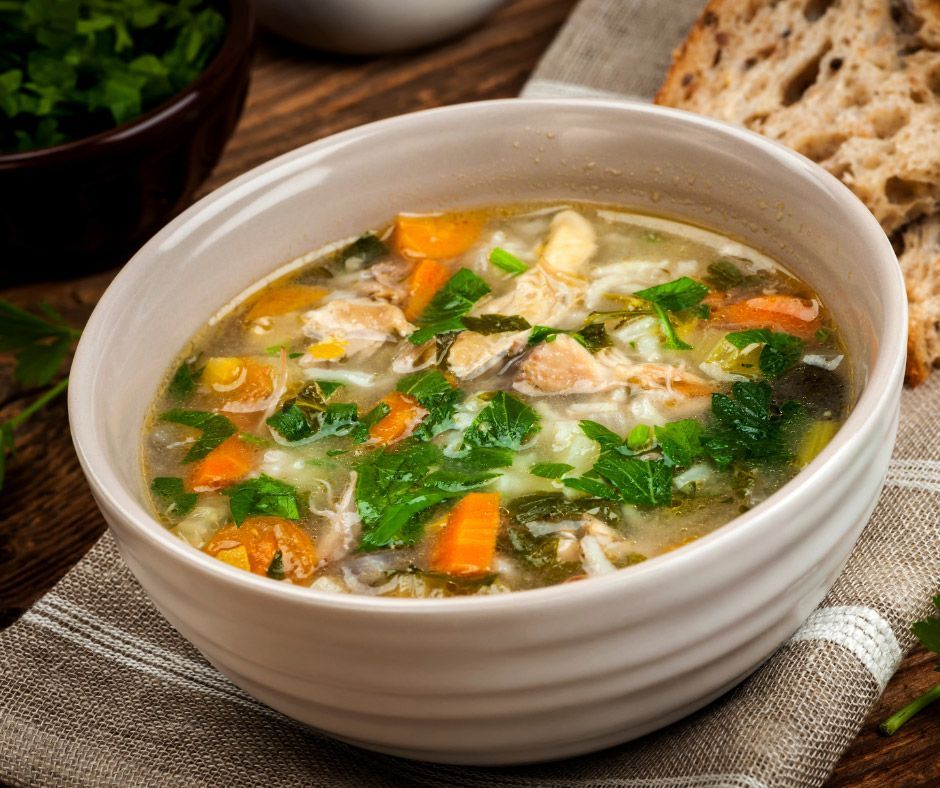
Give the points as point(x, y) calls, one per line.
point(928, 633)
point(39, 345)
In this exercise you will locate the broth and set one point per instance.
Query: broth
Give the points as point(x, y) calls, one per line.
point(495, 400)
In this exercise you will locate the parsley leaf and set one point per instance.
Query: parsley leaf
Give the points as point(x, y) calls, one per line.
point(449, 304)
point(397, 489)
point(39, 344)
point(641, 482)
point(550, 470)
point(780, 352)
point(556, 506)
point(592, 335)
point(507, 262)
point(309, 417)
point(275, 569)
point(495, 324)
point(262, 496)
point(681, 442)
point(674, 296)
point(170, 490)
point(435, 394)
point(367, 249)
point(214, 427)
point(928, 633)
point(505, 423)
point(748, 425)
point(184, 380)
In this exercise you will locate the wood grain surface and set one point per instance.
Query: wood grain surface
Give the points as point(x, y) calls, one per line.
point(48, 519)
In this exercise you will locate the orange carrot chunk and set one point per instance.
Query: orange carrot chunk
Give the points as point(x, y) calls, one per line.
point(779, 312)
point(284, 300)
point(255, 544)
point(468, 541)
point(442, 236)
point(428, 277)
point(403, 416)
point(225, 464)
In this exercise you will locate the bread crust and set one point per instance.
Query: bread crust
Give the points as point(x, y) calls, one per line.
point(853, 85)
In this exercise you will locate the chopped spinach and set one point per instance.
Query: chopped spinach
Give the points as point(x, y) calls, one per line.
point(367, 249)
point(556, 506)
point(436, 395)
point(505, 423)
point(593, 335)
point(275, 569)
point(779, 353)
point(550, 470)
point(724, 275)
point(681, 442)
point(171, 491)
point(184, 380)
point(397, 490)
point(495, 324)
point(675, 296)
point(449, 305)
point(262, 496)
point(360, 434)
point(214, 427)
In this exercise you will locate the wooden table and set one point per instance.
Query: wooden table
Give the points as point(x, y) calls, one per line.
point(47, 517)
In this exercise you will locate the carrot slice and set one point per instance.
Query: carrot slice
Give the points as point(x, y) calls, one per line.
point(283, 300)
point(403, 416)
point(238, 379)
point(779, 312)
point(468, 541)
point(442, 236)
point(428, 277)
point(258, 541)
point(225, 464)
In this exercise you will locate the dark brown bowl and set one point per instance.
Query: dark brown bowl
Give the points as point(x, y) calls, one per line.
point(90, 204)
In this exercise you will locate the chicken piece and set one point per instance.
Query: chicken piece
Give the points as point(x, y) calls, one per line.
point(566, 367)
point(356, 324)
point(386, 281)
point(341, 532)
point(546, 292)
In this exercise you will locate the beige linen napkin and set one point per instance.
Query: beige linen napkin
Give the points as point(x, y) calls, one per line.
point(96, 689)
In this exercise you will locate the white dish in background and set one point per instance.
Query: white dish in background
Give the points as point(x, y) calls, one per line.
point(370, 27)
point(532, 675)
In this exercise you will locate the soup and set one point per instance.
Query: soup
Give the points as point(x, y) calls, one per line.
point(488, 401)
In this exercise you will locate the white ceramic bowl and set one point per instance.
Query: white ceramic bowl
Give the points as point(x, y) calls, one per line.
point(368, 27)
point(535, 674)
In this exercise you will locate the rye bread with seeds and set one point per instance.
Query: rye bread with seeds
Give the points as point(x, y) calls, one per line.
point(855, 86)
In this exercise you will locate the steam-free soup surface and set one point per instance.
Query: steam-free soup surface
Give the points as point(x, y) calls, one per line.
point(474, 403)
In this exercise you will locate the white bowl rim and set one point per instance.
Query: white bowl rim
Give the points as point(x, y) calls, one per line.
point(879, 393)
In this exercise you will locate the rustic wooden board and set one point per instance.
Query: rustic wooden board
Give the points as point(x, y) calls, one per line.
point(48, 519)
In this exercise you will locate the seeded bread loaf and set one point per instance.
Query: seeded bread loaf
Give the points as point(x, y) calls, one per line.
point(853, 85)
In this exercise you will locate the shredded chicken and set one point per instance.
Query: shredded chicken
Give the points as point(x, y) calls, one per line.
point(341, 532)
point(359, 322)
point(385, 281)
point(566, 367)
point(546, 292)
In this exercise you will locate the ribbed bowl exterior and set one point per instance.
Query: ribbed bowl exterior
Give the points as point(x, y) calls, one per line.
point(540, 674)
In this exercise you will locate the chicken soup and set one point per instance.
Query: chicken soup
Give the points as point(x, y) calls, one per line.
point(488, 401)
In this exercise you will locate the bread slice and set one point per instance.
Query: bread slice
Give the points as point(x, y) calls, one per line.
point(853, 85)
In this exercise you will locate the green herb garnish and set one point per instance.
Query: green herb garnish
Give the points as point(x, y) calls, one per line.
point(170, 490)
point(495, 324)
point(505, 423)
point(780, 351)
point(367, 249)
point(449, 305)
point(681, 442)
point(928, 633)
point(262, 496)
point(556, 506)
point(507, 262)
point(214, 427)
point(674, 296)
point(184, 381)
point(550, 470)
point(435, 394)
point(73, 68)
point(275, 569)
point(593, 335)
point(724, 275)
point(39, 346)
